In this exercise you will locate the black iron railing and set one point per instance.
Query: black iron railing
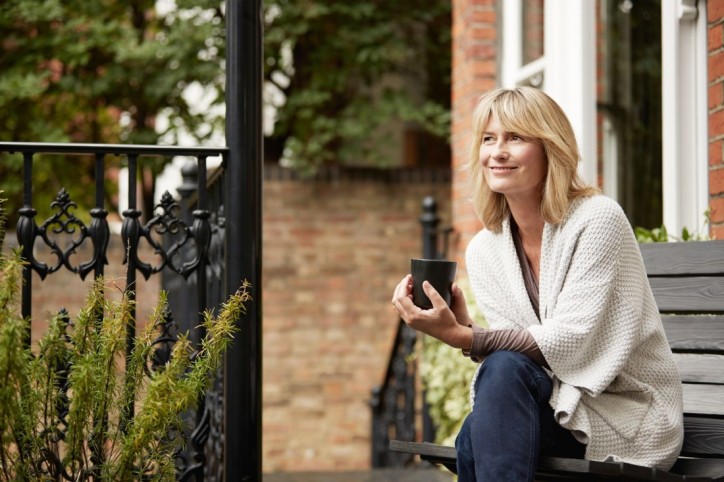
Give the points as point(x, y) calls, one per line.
point(187, 243)
point(394, 402)
point(214, 245)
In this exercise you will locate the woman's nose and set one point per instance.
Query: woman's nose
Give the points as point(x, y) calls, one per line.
point(500, 150)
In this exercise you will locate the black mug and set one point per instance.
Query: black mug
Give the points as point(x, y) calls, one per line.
point(439, 273)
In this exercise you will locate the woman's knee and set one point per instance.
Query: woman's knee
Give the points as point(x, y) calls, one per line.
point(507, 364)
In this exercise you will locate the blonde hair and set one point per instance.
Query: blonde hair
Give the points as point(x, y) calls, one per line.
point(531, 113)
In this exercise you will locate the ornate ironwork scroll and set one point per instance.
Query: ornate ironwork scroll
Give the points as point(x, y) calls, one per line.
point(63, 222)
point(167, 221)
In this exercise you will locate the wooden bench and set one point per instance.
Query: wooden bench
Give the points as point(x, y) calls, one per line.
point(688, 283)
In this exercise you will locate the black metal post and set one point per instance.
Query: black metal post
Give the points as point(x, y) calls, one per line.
point(99, 230)
point(242, 368)
point(130, 233)
point(26, 239)
point(184, 304)
point(429, 221)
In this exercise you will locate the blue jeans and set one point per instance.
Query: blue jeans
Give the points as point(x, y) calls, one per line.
point(511, 423)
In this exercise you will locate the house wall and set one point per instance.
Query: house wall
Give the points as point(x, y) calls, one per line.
point(715, 45)
point(475, 49)
point(474, 71)
point(334, 249)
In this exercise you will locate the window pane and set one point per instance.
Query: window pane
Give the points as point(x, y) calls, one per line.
point(630, 105)
point(532, 30)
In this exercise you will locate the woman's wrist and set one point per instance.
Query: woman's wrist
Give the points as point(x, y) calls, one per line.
point(464, 339)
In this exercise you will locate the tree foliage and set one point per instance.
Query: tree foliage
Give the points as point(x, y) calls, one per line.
point(103, 72)
point(339, 72)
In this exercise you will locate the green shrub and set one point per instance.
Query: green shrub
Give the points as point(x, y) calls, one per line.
point(661, 234)
point(45, 428)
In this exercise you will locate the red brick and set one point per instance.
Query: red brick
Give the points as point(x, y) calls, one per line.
point(716, 124)
point(483, 33)
point(480, 51)
point(484, 68)
point(715, 38)
point(716, 181)
point(715, 11)
point(479, 16)
point(715, 153)
point(715, 66)
point(717, 210)
point(715, 96)
point(717, 232)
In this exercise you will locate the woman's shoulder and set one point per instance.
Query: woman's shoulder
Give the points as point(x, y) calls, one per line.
point(595, 209)
point(597, 221)
point(485, 237)
point(481, 245)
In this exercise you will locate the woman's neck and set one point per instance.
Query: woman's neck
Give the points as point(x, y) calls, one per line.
point(529, 219)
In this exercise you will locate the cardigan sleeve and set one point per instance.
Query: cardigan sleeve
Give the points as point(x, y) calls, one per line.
point(591, 326)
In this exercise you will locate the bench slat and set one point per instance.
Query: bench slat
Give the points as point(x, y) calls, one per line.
point(704, 436)
point(698, 294)
point(703, 399)
point(549, 465)
point(713, 468)
point(700, 368)
point(436, 454)
point(695, 332)
point(666, 259)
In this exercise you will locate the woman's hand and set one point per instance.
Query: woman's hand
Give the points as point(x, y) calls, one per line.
point(447, 324)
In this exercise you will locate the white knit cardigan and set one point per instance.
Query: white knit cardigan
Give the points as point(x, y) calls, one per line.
point(615, 383)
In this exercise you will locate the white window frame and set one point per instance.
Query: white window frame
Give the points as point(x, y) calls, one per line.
point(513, 71)
point(685, 165)
point(569, 76)
point(567, 69)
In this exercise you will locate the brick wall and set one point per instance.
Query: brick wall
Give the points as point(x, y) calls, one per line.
point(715, 68)
point(333, 252)
point(474, 72)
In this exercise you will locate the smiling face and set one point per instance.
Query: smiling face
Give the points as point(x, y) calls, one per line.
point(513, 165)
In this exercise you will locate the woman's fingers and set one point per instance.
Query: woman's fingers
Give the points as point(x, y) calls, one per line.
point(459, 306)
point(402, 289)
point(435, 298)
point(402, 295)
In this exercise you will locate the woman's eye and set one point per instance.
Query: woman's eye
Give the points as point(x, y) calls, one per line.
point(487, 139)
point(515, 137)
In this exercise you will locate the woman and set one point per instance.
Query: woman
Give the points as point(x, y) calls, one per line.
point(576, 362)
